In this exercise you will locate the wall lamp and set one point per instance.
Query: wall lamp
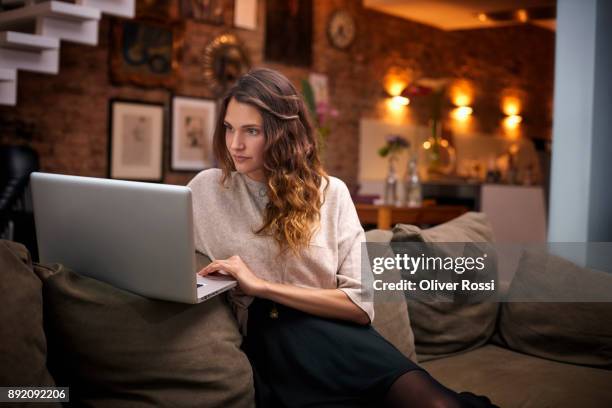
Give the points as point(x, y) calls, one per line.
point(511, 106)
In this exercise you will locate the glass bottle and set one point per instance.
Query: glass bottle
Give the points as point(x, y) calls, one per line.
point(413, 194)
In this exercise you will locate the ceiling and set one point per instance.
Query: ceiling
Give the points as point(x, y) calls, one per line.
point(457, 14)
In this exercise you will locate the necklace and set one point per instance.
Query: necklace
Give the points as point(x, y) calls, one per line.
point(273, 311)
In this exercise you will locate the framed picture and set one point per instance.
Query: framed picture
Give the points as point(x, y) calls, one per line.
point(245, 14)
point(193, 125)
point(289, 32)
point(318, 82)
point(208, 11)
point(145, 53)
point(135, 142)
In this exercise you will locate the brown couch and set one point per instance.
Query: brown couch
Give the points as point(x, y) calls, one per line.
point(519, 354)
point(115, 348)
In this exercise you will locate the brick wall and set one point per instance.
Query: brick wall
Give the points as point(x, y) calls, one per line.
point(67, 114)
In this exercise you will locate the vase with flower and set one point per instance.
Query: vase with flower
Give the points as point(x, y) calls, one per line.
point(394, 145)
point(439, 154)
point(321, 112)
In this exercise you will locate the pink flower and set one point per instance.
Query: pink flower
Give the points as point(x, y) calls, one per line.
point(416, 90)
point(324, 112)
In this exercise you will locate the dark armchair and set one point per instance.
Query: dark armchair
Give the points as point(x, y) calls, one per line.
point(16, 216)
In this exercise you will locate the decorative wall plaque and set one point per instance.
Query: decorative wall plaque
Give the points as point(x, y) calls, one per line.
point(225, 60)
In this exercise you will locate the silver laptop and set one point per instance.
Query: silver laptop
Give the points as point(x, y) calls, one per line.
point(133, 235)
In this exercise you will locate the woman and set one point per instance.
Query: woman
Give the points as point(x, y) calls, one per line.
point(289, 233)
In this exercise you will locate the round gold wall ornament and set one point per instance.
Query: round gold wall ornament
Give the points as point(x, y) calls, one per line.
point(225, 60)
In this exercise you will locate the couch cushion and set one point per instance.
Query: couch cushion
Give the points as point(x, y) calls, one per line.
point(569, 331)
point(512, 379)
point(469, 227)
point(23, 349)
point(391, 317)
point(115, 348)
point(444, 328)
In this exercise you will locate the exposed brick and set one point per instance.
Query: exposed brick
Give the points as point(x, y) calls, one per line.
point(69, 111)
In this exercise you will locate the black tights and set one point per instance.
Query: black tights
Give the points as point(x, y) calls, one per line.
point(418, 389)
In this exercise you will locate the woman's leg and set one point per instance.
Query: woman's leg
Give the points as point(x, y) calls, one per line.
point(418, 389)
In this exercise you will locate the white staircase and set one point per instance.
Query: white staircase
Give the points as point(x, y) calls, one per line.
point(28, 52)
point(31, 31)
point(117, 8)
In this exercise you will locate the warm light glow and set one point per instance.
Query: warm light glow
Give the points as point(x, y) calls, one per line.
point(511, 110)
point(394, 109)
point(462, 113)
point(400, 100)
point(482, 17)
point(396, 87)
point(462, 100)
point(444, 143)
point(514, 148)
point(512, 121)
point(397, 105)
point(522, 15)
point(511, 106)
point(461, 92)
point(426, 145)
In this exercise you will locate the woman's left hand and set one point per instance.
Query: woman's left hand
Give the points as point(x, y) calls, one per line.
point(249, 283)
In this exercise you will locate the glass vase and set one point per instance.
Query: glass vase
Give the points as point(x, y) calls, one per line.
point(413, 194)
point(390, 194)
point(439, 154)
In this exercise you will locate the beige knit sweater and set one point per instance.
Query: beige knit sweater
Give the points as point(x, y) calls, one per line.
point(226, 216)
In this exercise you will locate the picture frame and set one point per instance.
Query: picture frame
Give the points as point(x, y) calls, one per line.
point(245, 14)
point(145, 53)
point(135, 142)
point(193, 126)
point(208, 11)
point(288, 32)
point(318, 82)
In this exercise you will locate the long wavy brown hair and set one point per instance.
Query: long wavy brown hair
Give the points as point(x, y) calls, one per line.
point(292, 166)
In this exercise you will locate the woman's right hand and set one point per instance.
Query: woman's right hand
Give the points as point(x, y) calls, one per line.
point(249, 283)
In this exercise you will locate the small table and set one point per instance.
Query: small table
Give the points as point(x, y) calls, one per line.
point(385, 216)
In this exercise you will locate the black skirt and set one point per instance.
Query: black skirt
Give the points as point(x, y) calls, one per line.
point(301, 360)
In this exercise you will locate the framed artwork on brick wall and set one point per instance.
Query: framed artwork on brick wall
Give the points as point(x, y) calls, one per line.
point(145, 53)
point(193, 126)
point(289, 32)
point(245, 14)
point(135, 143)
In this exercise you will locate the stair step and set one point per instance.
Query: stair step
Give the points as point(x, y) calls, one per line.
point(119, 8)
point(9, 75)
point(29, 52)
point(59, 9)
point(8, 87)
point(66, 21)
point(25, 41)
